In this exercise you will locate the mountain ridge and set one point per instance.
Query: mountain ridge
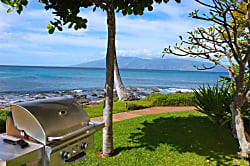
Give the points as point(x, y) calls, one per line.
point(153, 64)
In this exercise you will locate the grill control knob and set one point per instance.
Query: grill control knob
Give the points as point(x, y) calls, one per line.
point(74, 152)
point(83, 145)
point(68, 155)
point(65, 155)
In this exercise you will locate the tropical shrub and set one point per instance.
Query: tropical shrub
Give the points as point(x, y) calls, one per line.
point(178, 99)
point(3, 114)
point(245, 110)
point(136, 106)
point(214, 101)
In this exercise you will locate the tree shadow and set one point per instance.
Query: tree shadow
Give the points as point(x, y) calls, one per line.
point(187, 134)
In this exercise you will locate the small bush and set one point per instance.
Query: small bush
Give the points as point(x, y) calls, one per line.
point(134, 106)
point(2, 120)
point(214, 102)
point(178, 99)
point(155, 99)
point(116, 99)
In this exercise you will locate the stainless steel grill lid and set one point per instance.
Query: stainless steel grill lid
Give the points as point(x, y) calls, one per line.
point(49, 118)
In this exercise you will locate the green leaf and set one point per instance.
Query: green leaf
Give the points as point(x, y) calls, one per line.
point(85, 21)
point(51, 31)
point(150, 8)
point(9, 10)
point(24, 2)
point(60, 28)
point(124, 12)
point(19, 9)
point(49, 26)
point(6, 2)
point(70, 25)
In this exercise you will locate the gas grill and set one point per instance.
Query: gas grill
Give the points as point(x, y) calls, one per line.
point(47, 132)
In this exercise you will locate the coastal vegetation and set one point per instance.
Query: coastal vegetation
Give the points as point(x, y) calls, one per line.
point(3, 114)
point(218, 112)
point(186, 138)
point(224, 43)
point(68, 13)
point(155, 99)
point(181, 138)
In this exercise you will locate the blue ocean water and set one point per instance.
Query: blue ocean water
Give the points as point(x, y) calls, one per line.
point(27, 80)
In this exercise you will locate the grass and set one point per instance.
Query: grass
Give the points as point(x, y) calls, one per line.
point(155, 99)
point(181, 138)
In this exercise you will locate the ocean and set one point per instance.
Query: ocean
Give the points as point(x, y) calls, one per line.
point(27, 83)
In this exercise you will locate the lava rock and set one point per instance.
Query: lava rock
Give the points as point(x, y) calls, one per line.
point(142, 94)
point(133, 89)
point(100, 96)
point(155, 90)
point(94, 94)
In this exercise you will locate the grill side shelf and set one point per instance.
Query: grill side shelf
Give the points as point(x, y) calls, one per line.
point(72, 134)
point(92, 124)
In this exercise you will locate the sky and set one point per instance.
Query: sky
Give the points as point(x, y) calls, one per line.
point(24, 39)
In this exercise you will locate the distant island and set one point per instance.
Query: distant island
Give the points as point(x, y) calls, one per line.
point(153, 64)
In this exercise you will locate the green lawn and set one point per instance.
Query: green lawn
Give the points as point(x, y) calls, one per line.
point(181, 138)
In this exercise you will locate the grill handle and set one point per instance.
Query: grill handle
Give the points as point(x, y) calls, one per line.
point(91, 125)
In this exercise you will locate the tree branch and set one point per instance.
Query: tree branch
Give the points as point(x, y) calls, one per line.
point(101, 4)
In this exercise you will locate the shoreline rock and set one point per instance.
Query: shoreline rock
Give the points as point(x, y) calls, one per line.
point(83, 97)
point(134, 89)
point(155, 89)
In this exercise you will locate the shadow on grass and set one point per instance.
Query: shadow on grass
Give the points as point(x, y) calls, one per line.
point(187, 134)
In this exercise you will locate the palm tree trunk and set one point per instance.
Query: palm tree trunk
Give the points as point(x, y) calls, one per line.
point(122, 92)
point(108, 99)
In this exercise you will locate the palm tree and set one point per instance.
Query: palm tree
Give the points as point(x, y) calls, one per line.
point(122, 92)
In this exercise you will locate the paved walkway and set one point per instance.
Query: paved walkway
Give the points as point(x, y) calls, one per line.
point(142, 112)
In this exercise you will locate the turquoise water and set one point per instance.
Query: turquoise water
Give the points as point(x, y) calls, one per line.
point(29, 83)
point(45, 79)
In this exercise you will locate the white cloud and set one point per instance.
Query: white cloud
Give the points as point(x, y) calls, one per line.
point(7, 45)
point(175, 10)
point(60, 39)
point(37, 14)
point(135, 52)
point(140, 36)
